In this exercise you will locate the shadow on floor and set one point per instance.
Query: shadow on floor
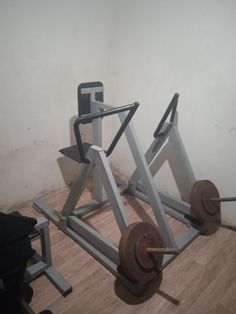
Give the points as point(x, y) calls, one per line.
point(153, 288)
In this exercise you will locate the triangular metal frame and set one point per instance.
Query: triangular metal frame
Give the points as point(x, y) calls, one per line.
point(99, 164)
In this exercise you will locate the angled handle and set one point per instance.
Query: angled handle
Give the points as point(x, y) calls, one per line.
point(171, 108)
point(87, 118)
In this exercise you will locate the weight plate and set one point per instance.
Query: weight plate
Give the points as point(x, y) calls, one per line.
point(135, 262)
point(202, 208)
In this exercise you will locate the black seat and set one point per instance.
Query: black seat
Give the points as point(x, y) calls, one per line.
point(73, 152)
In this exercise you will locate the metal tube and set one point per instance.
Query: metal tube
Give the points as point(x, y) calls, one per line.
point(92, 116)
point(147, 180)
point(97, 190)
point(171, 108)
point(122, 128)
point(162, 250)
point(223, 199)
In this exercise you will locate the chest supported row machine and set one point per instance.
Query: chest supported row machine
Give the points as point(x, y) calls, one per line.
point(144, 248)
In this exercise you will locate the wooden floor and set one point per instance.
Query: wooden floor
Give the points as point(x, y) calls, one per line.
point(202, 279)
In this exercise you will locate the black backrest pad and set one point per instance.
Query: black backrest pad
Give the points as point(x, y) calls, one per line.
point(84, 99)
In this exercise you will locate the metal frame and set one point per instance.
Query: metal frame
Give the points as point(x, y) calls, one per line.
point(42, 264)
point(141, 185)
point(180, 166)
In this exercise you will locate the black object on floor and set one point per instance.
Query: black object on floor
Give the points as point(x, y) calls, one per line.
point(27, 293)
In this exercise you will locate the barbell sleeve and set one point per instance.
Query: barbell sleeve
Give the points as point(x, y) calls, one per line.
point(162, 250)
point(223, 199)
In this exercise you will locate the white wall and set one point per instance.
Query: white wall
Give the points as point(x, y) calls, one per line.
point(141, 50)
point(189, 47)
point(47, 48)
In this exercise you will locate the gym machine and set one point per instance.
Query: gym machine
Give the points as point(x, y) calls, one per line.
point(144, 248)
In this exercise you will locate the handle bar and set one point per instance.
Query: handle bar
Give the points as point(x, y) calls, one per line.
point(172, 107)
point(87, 118)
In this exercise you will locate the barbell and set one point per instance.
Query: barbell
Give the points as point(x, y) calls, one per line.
point(141, 248)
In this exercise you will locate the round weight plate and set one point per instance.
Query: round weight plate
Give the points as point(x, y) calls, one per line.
point(201, 206)
point(135, 262)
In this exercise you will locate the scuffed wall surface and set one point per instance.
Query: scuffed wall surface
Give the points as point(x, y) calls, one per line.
point(141, 50)
point(47, 49)
point(185, 46)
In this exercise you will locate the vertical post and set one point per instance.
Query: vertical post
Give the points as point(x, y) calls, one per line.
point(97, 140)
point(45, 244)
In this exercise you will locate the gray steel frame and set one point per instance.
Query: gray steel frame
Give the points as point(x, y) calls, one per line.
point(42, 264)
point(141, 184)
